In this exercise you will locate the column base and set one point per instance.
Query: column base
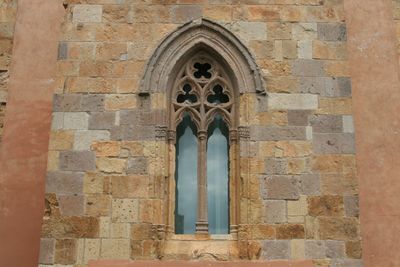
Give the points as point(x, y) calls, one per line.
point(201, 227)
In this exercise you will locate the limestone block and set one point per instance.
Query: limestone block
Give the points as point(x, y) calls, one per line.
point(93, 183)
point(348, 125)
point(351, 206)
point(347, 263)
point(338, 143)
point(57, 121)
point(304, 31)
point(47, 250)
point(262, 48)
point(338, 228)
point(263, 231)
point(185, 13)
point(281, 187)
point(71, 205)
point(337, 68)
point(111, 165)
point(250, 30)
point(70, 227)
point(62, 51)
point(115, 249)
point(315, 249)
point(66, 251)
point(92, 250)
point(93, 102)
point(272, 133)
point(118, 102)
point(292, 101)
point(327, 123)
point(279, 30)
point(310, 184)
point(290, 231)
point(297, 249)
point(308, 67)
point(297, 208)
point(120, 230)
point(274, 211)
point(329, 50)
point(305, 49)
point(76, 121)
point(335, 249)
point(332, 32)
point(137, 165)
point(275, 166)
point(135, 186)
point(106, 148)
point(87, 13)
point(84, 139)
point(289, 49)
point(276, 249)
point(353, 249)
point(125, 210)
point(151, 211)
point(77, 160)
point(104, 226)
point(64, 182)
point(61, 140)
point(339, 106)
point(325, 206)
point(101, 120)
point(53, 160)
point(98, 205)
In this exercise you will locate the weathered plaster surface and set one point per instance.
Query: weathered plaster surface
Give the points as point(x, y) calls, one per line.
point(23, 153)
point(376, 98)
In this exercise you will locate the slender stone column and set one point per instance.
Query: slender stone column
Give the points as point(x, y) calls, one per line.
point(23, 152)
point(202, 208)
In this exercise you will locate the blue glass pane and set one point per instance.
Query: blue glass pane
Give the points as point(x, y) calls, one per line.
point(186, 178)
point(218, 177)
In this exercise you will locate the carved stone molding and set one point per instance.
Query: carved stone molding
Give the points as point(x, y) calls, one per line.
point(187, 40)
point(244, 133)
point(161, 132)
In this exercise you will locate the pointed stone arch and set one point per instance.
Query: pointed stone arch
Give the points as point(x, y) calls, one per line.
point(190, 38)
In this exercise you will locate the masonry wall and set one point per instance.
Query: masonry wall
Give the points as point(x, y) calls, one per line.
point(8, 9)
point(106, 167)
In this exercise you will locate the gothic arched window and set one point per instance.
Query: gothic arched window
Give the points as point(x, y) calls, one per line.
point(202, 111)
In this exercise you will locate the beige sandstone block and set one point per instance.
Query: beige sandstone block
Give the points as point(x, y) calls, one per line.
point(297, 208)
point(125, 210)
point(115, 249)
point(98, 205)
point(53, 160)
point(335, 106)
point(297, 248)
point(93, 183)
point(61, 140)
point(111, 165)
point(87, 13)
point(92, 250)
point(106, 148)
point(120, 230)
point(118, 102)
point(135, 186)
point(104, 227)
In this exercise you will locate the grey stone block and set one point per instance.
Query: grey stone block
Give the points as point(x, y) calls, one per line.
point(327, 123)
point(340, 143)
point(130, 117)
point(62, 50)
point(348, 124)
point(310, 184)
point(93, 102)
point(101, 120)
point(274, 211)
point(275, 249)
point(343, 87)
point(84, 139)
point(312, 85)
point(298, 117)
point(71, 205)
point(133, 133)
point(332, 32)
point(76, 121)
point(57, 122)
point(77, 161)
point(64, 182)
point(267, 133)
point(67, 102)
point(186, 13)
point(335, 249)
point(308, 67)
point(351, 206)
point(275, 166)
point(137, 165)
point(315, 249)
point(346, 263)
point(281, 187)
point(47, 250)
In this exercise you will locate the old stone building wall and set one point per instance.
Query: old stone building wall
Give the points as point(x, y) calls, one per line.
point(108, 164)
point(8, 9)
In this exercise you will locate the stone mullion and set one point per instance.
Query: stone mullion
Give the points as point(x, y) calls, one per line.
point(233, 182)
point(202, 208)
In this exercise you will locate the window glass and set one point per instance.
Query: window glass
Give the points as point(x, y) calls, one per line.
point(186, 177)
point(218, 177)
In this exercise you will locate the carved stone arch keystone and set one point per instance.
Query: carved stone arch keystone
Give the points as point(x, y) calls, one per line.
point(188, 39)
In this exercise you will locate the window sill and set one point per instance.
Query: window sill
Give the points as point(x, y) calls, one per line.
point(202, 237)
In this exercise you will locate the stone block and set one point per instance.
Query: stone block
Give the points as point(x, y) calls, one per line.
point(305, 31)
point(275, 249)
point(271, 133)
point(92, 250)
point(142, 231)
point(262, 49)
point(339, 143)
point(250, 30)
point(87, 13)
point(335, 249)
point(70, 227)
point(298, 117)
point(297, 249)
point(151, 211)
point(64, 182)
point(84, 139)
point(315, 249)
point(137, 165)
point(67, 102)
point(130, 186)
point(185, 13)
point(133, 133)
point(119, 102)
point(353, 249)
point(57, 121)
point(76, 121)
point(71, 205)
point(325, 206)
point(93, 102)
point(334, 32)
point(289, 49)
point(338, 228)
point(93, 183)
point(104, 226)
point(292, 101)
point(275, 166)
point(125, 210)
point(66, 251)
point(98, 205)
point(297, 208)
point(305, 49)
point(101, 120)
point(115, 249)
point(274, 211)
point(290, 231)
point(62, 50)
point(308, 67)
point(312, 85)
point(120, 230)
point(106, 148)
point(279, 30)
point(339, 106)
point(326, 123)
point(47, 251)
point(281, 188)
point(348, 125)
point(77, 161)
point(61, 140)
point(310, 184)
point(351, 206)
point(263, 232)
point(111, 165)
point(346, 263)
